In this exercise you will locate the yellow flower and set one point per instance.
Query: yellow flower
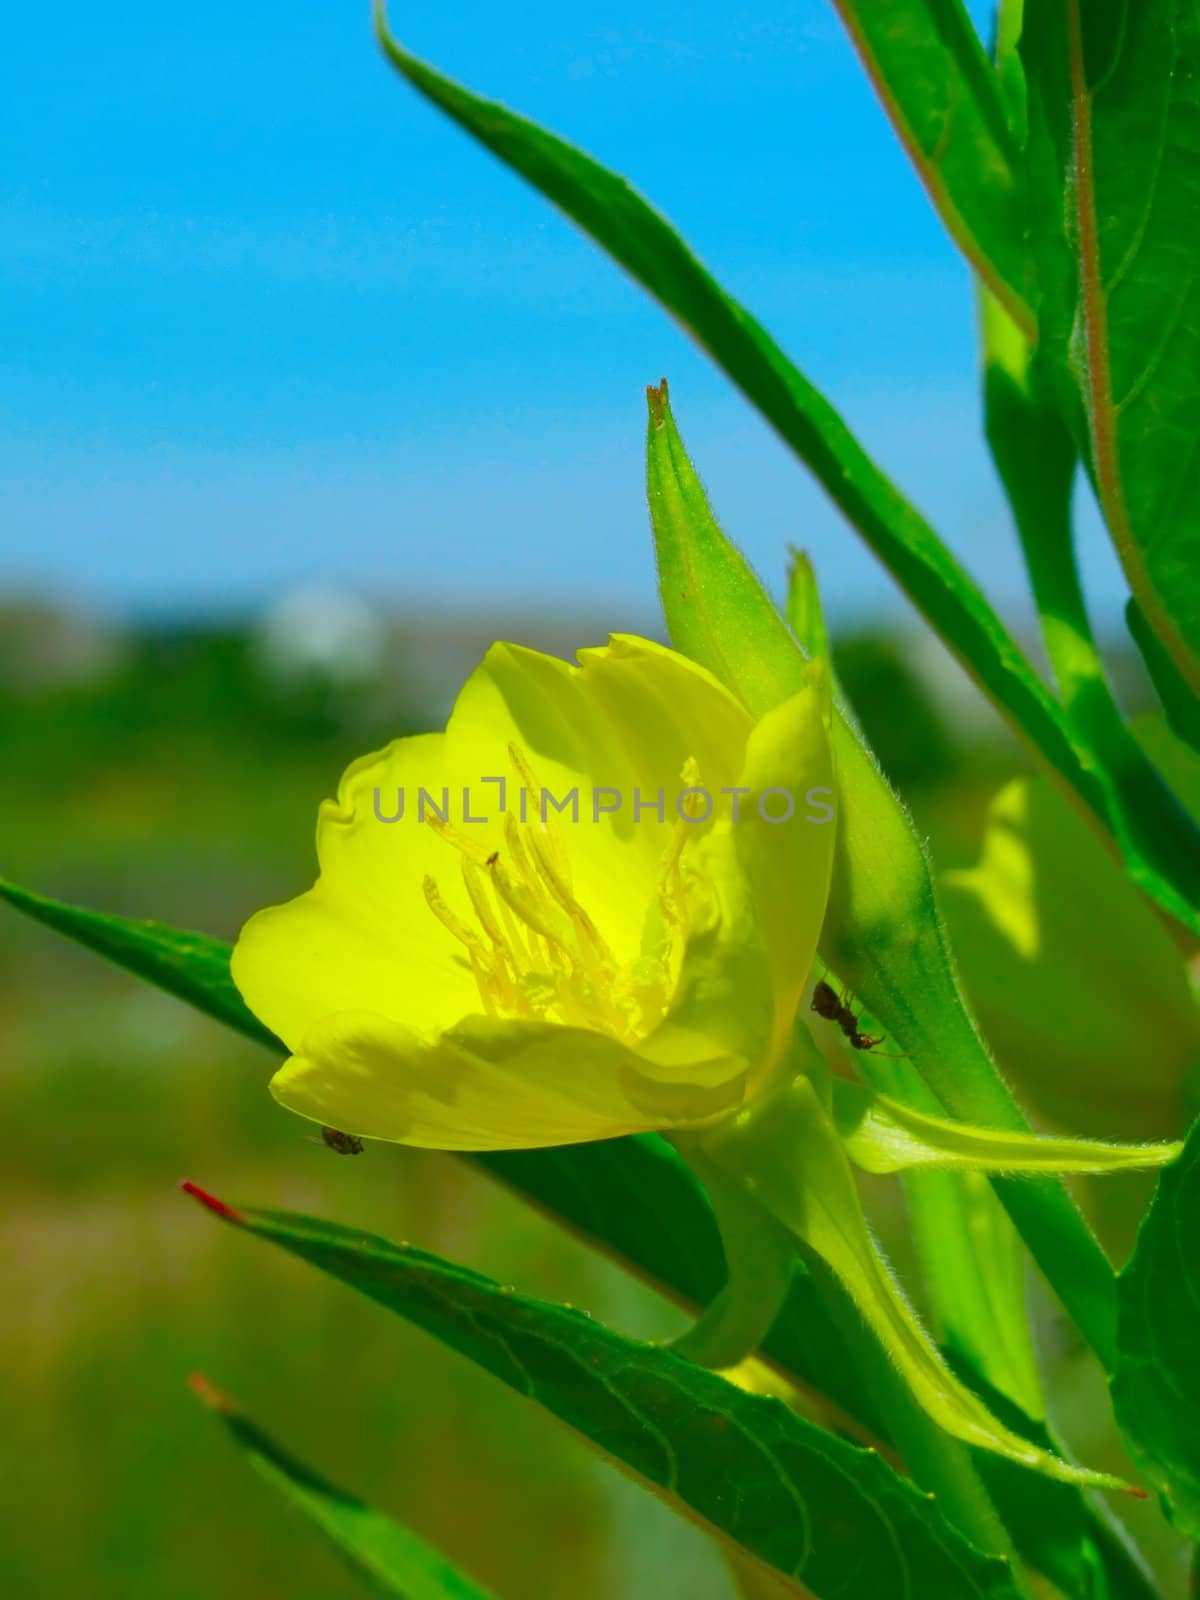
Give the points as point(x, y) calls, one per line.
point(588, 908)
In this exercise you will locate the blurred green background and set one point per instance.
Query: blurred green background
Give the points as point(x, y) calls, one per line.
point(174, 772)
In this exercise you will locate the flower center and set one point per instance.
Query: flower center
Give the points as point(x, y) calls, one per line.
point(533, 948)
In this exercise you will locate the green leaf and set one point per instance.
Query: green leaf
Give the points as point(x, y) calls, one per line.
point(391, 1559)
point(1114, 98)
point(649, 248)
point(1126, 1573)
point(973, 1270)
point(192, 966)
point(1181, 706)
point(1066, 964)
point(1057, 1530)
point(819, 1510)
point(1175, 757)
point(603, 1192)
point(1156, 1386)
point(881, 1135)
point(1035, 457)
point(929, 69)
point(883, 931)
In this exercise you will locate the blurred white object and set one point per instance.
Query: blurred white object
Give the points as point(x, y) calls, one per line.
point(322, 632)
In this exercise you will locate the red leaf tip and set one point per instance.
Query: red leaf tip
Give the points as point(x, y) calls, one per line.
point(210, 1201)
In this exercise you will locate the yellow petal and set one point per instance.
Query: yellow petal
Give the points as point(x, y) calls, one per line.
point(363, 938)
point(788, 865)
point(373, 977)
point(742, 979)
point(627, 718)
point(493, 1085)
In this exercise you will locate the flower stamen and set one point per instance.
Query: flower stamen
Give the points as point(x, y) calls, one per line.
point(541, 952)
point(543, 828)
point(448, 920)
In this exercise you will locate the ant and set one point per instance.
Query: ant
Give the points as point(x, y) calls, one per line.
point(346, 1144)
point(827, 1004)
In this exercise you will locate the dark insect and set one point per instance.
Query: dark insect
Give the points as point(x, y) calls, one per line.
point(346, 1144)
point(493, 858)
point(827, 1004)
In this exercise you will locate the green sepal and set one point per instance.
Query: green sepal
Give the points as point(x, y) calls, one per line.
point(883, 932)
point(787, 1154)
point(760, 1257)
point(805, 614)
point(882, 1135)
point(716, 609)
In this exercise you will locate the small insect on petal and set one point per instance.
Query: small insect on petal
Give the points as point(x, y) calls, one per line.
point(345, 1144)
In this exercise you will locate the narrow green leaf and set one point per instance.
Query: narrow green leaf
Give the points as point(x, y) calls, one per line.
point(939, 1463)
point(929, 69)
point(1071, 1539)
point(192, 966)
point(1174, 757)
point(1125, 1570)
point(971, 1257)
point(1054, 1528)
point(881, 1135)
point(1035, 457)
point(603, 1192)
point(884, 934)
point(1156, 1386)
point(650, 249)
point(391, 1559)
point(1065, 963)
point(1180, 705)
point(883, 930)
point(818, 1510)
point(1114, 98)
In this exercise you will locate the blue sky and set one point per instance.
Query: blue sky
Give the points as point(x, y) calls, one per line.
point(266, 319)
